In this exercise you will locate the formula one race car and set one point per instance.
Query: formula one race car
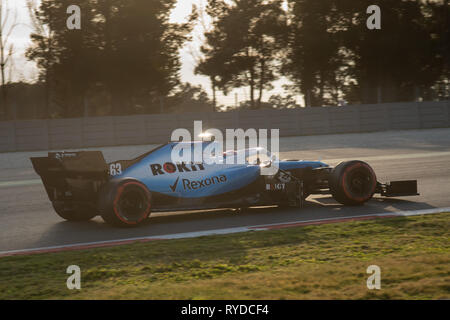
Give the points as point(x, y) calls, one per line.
point(81, 185)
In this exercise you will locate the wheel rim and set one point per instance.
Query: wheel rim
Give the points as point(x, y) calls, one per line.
point(359, 183)
point(132, 205)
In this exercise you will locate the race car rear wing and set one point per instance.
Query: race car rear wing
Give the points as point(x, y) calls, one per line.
point(398, 188)
point(72, 175)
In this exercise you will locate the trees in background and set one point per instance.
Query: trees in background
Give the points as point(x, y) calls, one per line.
point(333, 55)
point(43, 49)
point(8, 22)
point(139, 51)
point(125, 48)
point(31, 95)
point(326, 50)
point(395, 63)
point(188, 97)
point(243, 47)
point(438, 25)
point(125, 58)
point(316, 61)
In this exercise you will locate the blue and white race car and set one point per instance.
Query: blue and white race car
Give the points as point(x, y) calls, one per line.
point(81, 185)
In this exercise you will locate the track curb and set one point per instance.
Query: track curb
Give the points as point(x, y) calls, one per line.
point(113, 243)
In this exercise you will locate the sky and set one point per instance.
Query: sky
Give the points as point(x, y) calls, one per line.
point(24, 70)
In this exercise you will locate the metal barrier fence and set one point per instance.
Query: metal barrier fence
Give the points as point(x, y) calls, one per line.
point(29, 135)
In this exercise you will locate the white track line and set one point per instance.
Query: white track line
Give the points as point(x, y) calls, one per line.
point(196, 234)
point(395, 156)
point(424, 211)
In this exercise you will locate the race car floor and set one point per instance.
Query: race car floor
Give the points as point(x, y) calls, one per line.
point(27, 219)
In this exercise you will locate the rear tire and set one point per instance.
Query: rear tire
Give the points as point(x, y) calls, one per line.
point(74, 212)
point(125, 203)
point(352, 183)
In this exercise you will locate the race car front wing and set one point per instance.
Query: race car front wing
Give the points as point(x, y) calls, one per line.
point(398, 188)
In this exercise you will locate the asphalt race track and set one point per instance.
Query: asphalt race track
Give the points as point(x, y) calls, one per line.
point(27, 219)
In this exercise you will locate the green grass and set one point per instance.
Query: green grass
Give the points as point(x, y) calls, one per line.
point(314, 262)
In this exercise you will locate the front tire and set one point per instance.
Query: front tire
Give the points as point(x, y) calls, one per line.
point(125, 203)
point(352, 183)
point(74, 212)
